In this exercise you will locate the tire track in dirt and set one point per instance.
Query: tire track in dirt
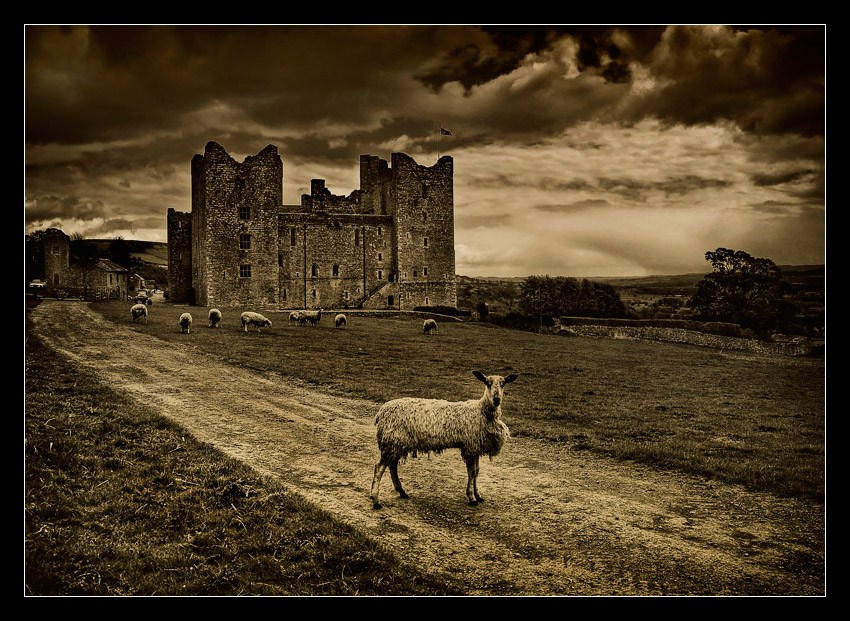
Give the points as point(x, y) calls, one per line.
point(556, 522)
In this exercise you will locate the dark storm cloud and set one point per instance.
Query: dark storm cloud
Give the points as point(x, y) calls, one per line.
point(574, 207)
point(765, 80)
point(781, 178)
point(636, 190)
point(49, 208)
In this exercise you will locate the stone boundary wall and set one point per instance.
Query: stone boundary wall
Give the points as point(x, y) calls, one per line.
point(691, 337)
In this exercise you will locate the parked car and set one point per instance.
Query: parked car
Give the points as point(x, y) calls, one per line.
point(143, 298)
point(37, 284)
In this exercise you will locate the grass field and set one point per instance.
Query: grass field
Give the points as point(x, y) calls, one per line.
point(736, 417)
point(118, 501)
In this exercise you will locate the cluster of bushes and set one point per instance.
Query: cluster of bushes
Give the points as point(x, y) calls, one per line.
point(718, 328)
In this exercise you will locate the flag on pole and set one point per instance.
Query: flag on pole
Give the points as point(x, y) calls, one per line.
point(445, 132)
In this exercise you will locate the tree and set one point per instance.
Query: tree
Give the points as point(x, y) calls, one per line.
point(119, 252)
point(84, 254)
point(558, 296)
point(743, 289)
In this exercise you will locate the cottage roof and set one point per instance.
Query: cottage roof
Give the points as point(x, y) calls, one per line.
point(109, 266)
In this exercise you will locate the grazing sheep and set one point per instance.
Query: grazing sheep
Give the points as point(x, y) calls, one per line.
point(311, 317)
point(254, 319)
point(340, 321)
point(428, 326)
point(214, 317)
point(410, 426)
point(186, 323)
point(295, 316)
point(139, 310)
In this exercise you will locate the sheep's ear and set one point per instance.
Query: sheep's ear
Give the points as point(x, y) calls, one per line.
point(511, 378)
point(480, 376)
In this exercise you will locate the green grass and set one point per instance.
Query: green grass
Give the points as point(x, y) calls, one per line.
point(735, 417)
point(119, 501)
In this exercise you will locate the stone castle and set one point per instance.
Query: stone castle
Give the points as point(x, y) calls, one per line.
point(388, 245)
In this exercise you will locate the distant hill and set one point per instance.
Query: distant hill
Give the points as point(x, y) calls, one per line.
point(154, 253)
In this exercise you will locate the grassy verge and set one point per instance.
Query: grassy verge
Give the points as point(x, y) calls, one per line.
point(120, 502)
point(736, 417)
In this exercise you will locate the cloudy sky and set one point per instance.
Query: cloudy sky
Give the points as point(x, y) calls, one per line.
point(578, 150)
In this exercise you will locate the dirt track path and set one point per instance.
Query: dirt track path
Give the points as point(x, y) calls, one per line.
point(556, 522)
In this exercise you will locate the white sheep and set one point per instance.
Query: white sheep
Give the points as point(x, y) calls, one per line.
point(137, 311)
point(428, 326)
point(411, 426)
point(254, 319)
point(214, 317)
point(340, 321)
point(311, 317)
point(295, 316)
point(186, 323)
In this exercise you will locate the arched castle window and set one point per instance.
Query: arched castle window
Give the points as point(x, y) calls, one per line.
point(415, 273)
point(427, 303)
point(315, 271)
point(335, 270)
point(314, 293)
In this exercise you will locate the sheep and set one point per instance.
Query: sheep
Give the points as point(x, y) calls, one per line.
point(428, 326)
point(340, 321)
point(311, 317)
point(254, 319)
point(409, 426)
point(295, 316)
point(186, 323)
point(214, 317)
point(139, 310)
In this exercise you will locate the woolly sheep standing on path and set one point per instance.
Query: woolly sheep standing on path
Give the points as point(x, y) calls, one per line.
point(186, 323)
point(254, 319)
point(137, 311)
point(428, 326)
point(340, 321)
point(411, 426)
point(295, 316)
point(214, 317)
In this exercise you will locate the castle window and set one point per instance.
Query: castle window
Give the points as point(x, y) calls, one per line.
point(380, 257)
point(55, 250)
point(425, 242)
point(415, 274)
point(291, 237)
point(380, 275)
point(427, 303)
point(424, 271)
point(244, 241)
point(55, 280)
point(244, 212)
point(345, 295)
point(335, 270)
point(390, 301)
point(356, 237)
point(315, 271)
point(424, 216)
point(314, 293)
point(279, 260)
point(380, 231)
point(244, 271)
point(425, 190)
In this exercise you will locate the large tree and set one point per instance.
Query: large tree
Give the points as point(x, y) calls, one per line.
point(560, 295)
point(743, 289)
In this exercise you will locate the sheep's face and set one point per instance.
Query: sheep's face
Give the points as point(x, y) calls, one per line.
point(495, 386)
point(268, 323)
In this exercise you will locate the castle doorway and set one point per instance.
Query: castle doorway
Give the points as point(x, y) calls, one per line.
point(390, 300)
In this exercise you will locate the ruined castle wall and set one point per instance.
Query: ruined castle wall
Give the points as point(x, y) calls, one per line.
point(329, 260)
point(180, 256)
point(235, 229)
point(423, 199)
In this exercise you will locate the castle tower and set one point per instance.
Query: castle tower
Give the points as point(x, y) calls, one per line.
point(57, 258)
point(235, 226)
point(423, 209)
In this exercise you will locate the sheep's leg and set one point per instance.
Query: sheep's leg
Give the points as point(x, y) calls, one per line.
point(472, 480)
point(376, 482)
point(396, 482)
